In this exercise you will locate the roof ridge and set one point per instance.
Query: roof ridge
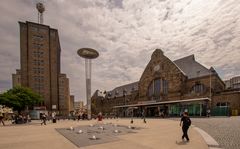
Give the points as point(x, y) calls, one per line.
point(186, 57)
point(125, 85)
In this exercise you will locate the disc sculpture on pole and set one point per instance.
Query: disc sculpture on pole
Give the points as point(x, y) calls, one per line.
point(88, 54)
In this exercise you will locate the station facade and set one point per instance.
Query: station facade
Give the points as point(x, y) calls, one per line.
point(168, 88)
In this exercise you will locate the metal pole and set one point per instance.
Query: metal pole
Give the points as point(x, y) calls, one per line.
point(210, 91)
point(88, 54)
point(41, 18)
point(125, 105)
point(38, 18)
point(115, 98)
point(88, 86)
point(132, 116)
point(200, 109)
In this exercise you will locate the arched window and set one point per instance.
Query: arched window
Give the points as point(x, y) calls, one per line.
point(157, 87)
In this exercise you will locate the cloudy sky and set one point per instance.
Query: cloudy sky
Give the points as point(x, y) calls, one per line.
point(126, 32)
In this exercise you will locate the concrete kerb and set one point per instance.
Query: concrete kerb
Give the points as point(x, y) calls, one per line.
point(212, 143)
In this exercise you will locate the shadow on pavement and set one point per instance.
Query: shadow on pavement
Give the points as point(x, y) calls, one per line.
point(181, 142)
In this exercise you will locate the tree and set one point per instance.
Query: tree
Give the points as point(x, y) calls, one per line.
point(19, 98)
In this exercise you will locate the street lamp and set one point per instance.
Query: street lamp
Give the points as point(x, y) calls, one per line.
point(115, 98)
point(124, 95)
point(88, 54)
point(212, 71)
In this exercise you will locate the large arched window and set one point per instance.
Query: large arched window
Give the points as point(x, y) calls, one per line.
point(157, 87)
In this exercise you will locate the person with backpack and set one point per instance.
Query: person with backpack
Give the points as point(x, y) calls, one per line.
point(185, 123)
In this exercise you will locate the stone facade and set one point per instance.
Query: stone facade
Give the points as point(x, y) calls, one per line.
point(161, 67)
point(228, 98)
point(167, 85)
point(216, 86)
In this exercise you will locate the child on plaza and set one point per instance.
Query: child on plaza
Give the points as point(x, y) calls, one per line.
point(185, 123)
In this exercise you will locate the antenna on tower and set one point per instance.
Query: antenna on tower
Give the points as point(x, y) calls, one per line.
point(40, 7)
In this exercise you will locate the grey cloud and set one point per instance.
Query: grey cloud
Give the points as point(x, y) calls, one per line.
point(126, 32)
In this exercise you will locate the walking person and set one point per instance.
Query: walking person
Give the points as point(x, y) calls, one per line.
point(208, 112)
point(44, 118)
point(185, 123)
point(28, 118)
point(54, 120)
point(143, 116)
point(100, 116)
point(1, 118)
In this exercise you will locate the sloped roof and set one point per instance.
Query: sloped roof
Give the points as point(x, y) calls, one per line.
point(188, 66)
point(191, 68)
point(118, 91)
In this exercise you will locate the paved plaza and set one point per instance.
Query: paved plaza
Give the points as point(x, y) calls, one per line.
point(99, 133)
point(225, 130)
point(155, 134)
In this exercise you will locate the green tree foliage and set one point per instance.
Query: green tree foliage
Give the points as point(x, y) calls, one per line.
point(19, 98)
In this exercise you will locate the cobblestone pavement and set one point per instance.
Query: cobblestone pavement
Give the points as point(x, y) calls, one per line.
point(225, 130)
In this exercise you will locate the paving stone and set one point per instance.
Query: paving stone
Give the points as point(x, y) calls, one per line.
point(225, 130)
point(104, 133)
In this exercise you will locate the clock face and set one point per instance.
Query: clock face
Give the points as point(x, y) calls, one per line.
point(156, 68)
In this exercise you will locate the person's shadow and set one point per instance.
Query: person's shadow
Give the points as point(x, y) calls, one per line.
point(181, 142)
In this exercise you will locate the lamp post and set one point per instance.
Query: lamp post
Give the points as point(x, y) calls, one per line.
point(88, 54)
point(124, 95)
point(115, 98)
point(197, 89)
point(210, 90)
